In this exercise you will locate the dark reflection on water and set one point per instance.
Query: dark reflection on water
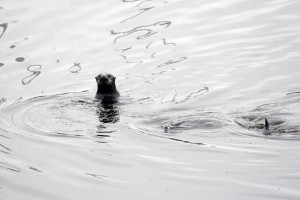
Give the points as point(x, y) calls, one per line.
point(172, 62)
point(20, 59)
point(34, 169)
point(142, 10)
point(4, 27)
point(9, 167)
point(4, 149)
point(108, 113)
point(35, 70)
point(96, 175)
point(2, 100)
point(75, 68)
point(154, 49)
point(130, 1)
point(147, 30)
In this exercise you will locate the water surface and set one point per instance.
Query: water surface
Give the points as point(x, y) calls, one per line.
point(197, 81)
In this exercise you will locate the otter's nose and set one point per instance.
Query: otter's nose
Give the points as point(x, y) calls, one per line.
point(103, 79)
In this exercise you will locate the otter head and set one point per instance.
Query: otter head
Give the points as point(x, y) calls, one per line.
point(106, 86)
point(105, 79)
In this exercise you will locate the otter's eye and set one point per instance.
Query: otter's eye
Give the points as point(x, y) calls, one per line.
point(108, 75)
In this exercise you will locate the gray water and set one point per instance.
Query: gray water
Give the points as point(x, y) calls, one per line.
point(197, 80)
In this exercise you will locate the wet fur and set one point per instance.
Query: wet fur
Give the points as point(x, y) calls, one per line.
point(106, 87)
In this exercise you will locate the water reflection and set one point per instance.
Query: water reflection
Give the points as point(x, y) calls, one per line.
point(75, 68)
point(146, 30)
point(3, 148)
point(4, 27)
point(142, 11)
point(107, 112)
point(20, 59)
point(35, 70)
point(34, 169)
point(3, 100)
point(9, 167)
point(172, 62)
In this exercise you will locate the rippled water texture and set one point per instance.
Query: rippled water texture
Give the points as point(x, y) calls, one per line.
point(209, 106)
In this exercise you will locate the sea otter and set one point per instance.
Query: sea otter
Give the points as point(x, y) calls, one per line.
point(107, 90)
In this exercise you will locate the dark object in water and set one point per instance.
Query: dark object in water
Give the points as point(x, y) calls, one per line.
point(108, 94)
point(266, 128)
point(167, 127)
point(252, 122)
point(266, 124)
point(107, 90)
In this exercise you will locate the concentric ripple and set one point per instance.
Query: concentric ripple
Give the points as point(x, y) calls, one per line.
point(282, 116)
point(72, 115)
point(186, 128)
point(202, 121)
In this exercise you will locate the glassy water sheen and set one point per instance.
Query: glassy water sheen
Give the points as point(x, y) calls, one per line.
point(197, 81)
